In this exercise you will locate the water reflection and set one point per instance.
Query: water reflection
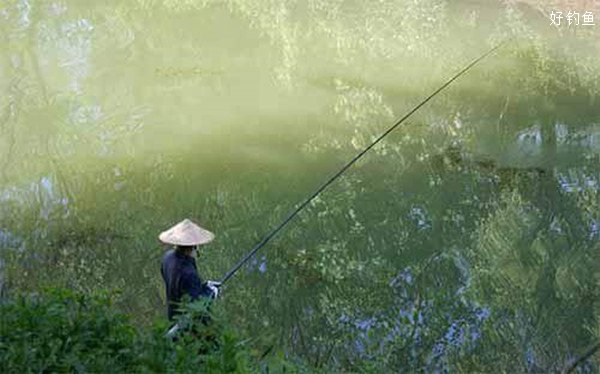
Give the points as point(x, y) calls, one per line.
point(42, 194)
point(474, 226)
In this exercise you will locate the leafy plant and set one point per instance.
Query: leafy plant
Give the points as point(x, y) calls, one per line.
point(64, 331)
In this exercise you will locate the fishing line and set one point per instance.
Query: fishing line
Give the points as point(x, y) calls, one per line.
point(335, 176)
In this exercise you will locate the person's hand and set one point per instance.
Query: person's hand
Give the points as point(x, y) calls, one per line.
point(214, 288)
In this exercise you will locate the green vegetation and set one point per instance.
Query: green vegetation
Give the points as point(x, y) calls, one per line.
point(64, 331)
point(468, 241)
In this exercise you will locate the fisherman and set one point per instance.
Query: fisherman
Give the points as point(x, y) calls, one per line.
point(179, 265)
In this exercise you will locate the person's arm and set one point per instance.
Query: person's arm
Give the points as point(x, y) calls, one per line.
point(193, 286)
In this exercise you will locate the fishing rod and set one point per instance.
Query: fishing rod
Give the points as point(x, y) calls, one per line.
point(335, 176)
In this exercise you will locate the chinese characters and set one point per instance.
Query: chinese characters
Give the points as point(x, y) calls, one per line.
point(572, 18)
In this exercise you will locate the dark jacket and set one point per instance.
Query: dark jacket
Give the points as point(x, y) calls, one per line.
point(181, 278)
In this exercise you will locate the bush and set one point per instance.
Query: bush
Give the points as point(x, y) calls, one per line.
point(64, 331)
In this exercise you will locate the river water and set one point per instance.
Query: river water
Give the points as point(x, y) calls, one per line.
point(469, 236)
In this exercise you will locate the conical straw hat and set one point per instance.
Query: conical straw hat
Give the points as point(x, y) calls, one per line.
point(186, 233)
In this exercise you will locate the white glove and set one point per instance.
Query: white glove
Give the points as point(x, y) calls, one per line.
point(214, 288)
